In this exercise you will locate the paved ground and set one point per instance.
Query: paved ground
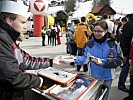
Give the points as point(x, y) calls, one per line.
point(34, 48)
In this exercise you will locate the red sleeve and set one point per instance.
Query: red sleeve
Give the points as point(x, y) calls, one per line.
point(131, 52)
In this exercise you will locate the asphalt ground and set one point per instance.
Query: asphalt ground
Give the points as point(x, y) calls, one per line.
point(34, 48)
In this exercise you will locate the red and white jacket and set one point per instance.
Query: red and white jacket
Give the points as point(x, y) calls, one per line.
point(27, 61)
point(13, 63)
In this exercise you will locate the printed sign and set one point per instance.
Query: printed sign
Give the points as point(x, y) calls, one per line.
point(39, 7)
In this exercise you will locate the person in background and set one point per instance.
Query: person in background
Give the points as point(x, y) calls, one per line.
point(53, 35)
point(43, 30)
point(58, 34)
point(13, 60)
point(110, 23)
point(130, 96)
point(73, 46)
point(116, 29)
point(125, 44)
point(69, 35)
point(81, 36)
point(103, 54)
point(92, 24)
point(70, 41)
point(119, 29)
point(116, 24)
point(49, 35)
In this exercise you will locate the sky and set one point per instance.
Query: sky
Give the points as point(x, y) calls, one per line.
point(123, 6)
point(83, 9)
point(120, 6)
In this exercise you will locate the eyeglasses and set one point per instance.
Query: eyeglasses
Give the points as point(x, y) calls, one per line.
point(98, 31)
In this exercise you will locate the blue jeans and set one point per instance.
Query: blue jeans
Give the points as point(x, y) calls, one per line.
point(124, 74)
point(107, 83)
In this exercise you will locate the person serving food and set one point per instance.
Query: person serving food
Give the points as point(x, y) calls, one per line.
point(13, 60)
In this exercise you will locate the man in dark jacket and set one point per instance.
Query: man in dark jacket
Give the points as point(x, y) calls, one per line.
point(13, 60)
point(125, 43)
point(130, 96)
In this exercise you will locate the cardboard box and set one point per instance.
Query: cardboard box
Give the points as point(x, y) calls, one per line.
point(61, 85)
point(57, 76)
point(79, 89)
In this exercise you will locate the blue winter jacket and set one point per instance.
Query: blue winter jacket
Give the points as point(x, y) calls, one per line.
point(102, 51)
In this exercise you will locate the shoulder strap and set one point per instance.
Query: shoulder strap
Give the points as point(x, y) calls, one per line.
point(90, 43)
point(111, 43)
point(87, 26)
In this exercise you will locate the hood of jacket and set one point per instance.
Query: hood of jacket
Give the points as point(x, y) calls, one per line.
point(11, 31)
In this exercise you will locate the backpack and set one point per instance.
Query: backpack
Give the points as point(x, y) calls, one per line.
point(53, 32)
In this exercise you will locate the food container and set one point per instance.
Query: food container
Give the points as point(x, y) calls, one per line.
point(60, 77)
point(74, 87)
point(82, 88)
point(63, 60)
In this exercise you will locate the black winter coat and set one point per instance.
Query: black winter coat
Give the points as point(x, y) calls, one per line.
point(13, 62)
point(126, 38)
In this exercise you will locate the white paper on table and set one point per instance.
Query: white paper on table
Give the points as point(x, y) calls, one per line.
point(64, 59)
point(32, 71)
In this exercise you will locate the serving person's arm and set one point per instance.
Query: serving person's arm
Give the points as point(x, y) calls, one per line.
point(30, 62)
point(11, 74)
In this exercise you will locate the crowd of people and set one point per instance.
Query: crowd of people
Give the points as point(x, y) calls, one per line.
point(109, 43)
point(104, 45)
point(53, 34)
point(81, 35)
point(102, 53)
